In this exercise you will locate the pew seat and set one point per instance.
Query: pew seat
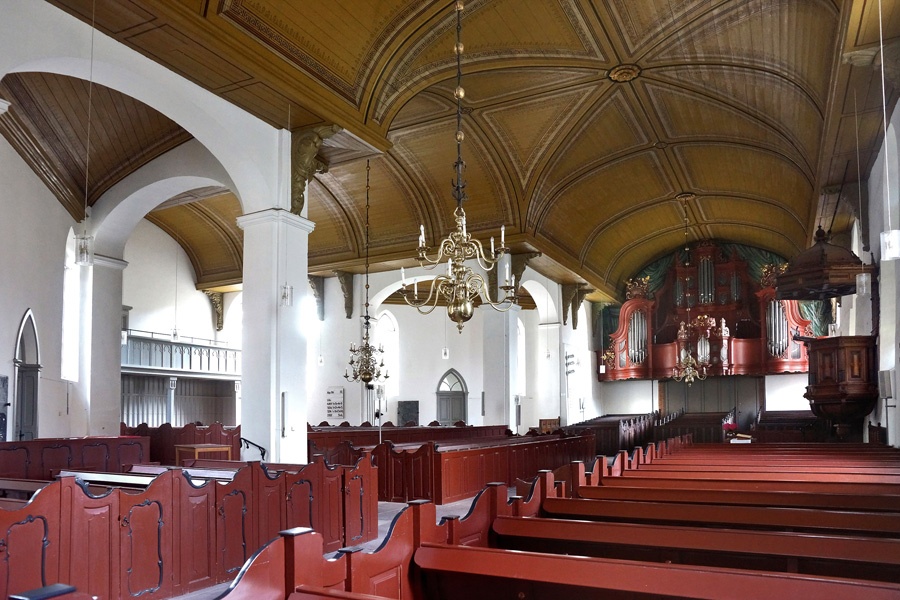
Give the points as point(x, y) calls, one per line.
point(462, 572)
point(885, 524)
point(889, 503)
point(818, 554)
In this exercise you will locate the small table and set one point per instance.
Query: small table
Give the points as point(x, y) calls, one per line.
point(195, 450)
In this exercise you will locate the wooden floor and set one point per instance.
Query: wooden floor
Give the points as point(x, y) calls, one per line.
point(386, 513)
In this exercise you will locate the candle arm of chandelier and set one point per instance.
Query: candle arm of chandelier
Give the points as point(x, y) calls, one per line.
point(428, 304)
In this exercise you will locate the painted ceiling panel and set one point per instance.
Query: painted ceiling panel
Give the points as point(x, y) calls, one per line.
point(611, 129)
point(685, 116)
point(612, 251)
point(762, 34)
point(604, 196)
point(764, 96)
point(745, 171)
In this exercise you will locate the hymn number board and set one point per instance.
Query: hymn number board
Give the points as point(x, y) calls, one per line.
point(334, 402)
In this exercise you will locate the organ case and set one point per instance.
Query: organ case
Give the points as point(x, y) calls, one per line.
point(708, 305)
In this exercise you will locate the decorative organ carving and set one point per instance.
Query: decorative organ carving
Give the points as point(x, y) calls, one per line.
point(741, 328)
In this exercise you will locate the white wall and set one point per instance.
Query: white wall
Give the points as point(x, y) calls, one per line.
point(785, 392)
point(33, 231)
point(149, 287)
point(578, 385)
point(629, 397)
point(889, 275)
point(421, 366)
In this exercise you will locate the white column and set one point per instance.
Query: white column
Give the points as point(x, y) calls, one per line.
point(273, 392)
point(500, 344)
point(99, 388)
point(170, 400)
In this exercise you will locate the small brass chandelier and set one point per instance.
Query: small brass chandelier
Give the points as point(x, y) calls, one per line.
point(364, 359)
point(688, 368)
point(460, 286)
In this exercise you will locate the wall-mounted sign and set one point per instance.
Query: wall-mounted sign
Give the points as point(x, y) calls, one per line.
point(334, 402)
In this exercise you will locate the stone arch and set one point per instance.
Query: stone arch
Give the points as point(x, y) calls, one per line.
point(116, 213)
point(246, 147)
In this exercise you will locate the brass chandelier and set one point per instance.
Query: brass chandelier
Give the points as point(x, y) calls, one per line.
point(461, 285)
point(703, 328)
point(365, 363)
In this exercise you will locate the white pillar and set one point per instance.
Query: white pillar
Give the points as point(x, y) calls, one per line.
point(170, 400)
point(273, 391)
point(499, 359)
point(99, 388)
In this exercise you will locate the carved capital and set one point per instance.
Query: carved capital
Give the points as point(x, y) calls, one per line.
point(860, 58)
point(518, 263)
point(317, 285)
point(580, 294)
point(568, 294)
point(217, 301)
point(346, 280)
point(305, 163)
point(871, 57)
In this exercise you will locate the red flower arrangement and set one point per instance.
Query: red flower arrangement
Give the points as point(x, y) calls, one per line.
point(729, 427)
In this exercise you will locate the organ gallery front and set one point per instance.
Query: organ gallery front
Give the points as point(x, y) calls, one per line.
point(710, 312)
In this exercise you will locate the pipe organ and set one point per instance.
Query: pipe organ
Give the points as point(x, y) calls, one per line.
point(708, 307)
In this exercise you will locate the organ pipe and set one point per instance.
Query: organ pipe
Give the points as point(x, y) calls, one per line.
point(776, 328)
point(637, 338)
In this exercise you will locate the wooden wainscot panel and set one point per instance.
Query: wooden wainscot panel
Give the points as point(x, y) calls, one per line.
point(15, 461)
point(89, 539)
point(54, 457)
point(95, 456)
point(30, 544)
point(234, 523)
point(131, 451)
point(146, 530)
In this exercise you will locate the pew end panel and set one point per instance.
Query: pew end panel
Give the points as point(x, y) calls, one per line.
point(89, 522)
point(386, 571)
point(194, 513)
point(235, 527)
point(30, 542)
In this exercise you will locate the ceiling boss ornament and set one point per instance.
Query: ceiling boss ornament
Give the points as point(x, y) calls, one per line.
point(364, 359)
point(623, 73)
point(461, 285)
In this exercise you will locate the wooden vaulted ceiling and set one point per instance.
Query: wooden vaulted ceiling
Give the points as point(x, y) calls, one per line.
point(594, 128)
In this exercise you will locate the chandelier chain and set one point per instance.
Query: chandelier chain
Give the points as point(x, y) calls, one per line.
point(461, 286)
point(364, 359)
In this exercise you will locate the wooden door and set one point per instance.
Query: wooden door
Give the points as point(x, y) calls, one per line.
point(451, 407)
point(26, 401)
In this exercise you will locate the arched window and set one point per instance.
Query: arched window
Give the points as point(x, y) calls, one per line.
point(387, 335)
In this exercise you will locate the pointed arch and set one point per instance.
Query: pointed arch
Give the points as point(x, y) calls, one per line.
point(452, 381)
point(28, 347)
point(27, 363)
